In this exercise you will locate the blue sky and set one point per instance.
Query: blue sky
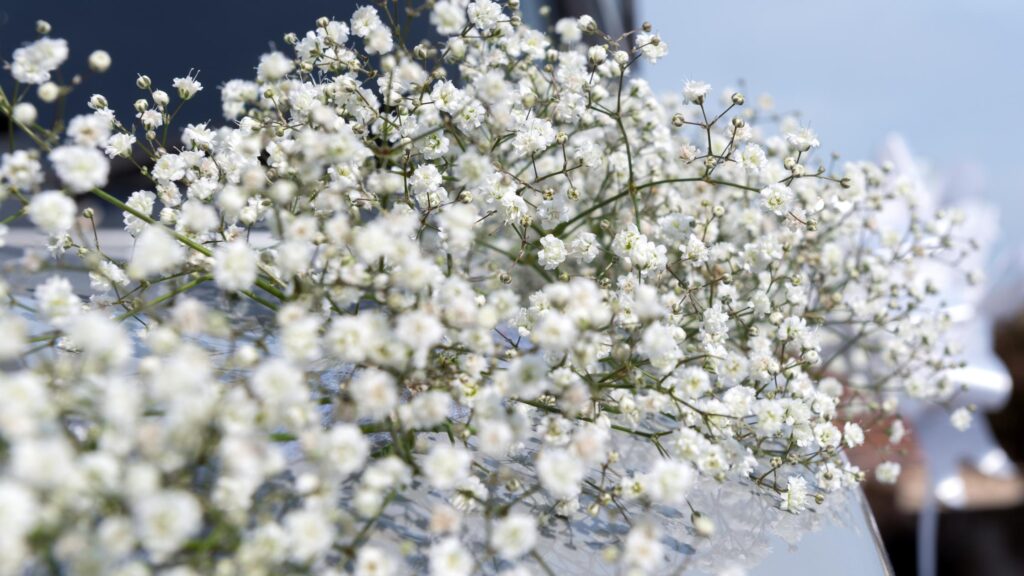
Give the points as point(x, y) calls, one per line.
point(945, 74)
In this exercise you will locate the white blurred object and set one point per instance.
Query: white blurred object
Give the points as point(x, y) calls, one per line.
point(984, 382)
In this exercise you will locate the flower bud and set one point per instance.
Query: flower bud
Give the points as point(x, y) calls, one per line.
point(99, 61)
point(291, 38)
point(738, 99)
point(702, 525)
point(678, 120)
point(43, 27)
point(24, 113)
point(48, 92)
point(160, 98)
point(98, 102)
point(587, 23)
point(141, 105)
point(322, 22)
point(143, 82)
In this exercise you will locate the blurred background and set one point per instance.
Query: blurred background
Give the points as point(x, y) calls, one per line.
point(942, 75)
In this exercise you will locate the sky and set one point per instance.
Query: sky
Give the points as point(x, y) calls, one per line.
point(945, 74)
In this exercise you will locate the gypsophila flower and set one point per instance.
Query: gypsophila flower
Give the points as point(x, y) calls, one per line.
point(433, 308)
point(802, 139)
point(514, 535)
point(695, 92)
point(52, 211)
point(961, 419)
point(553, 252)
point(777, 198)
point(33, 63)
point(80, 168)
point(234, 266)
point(652, 46)
point(450, 558)
point(484, 14)
point(888, 472)
point(794, 499)
point(119, 144)
point(187, 86)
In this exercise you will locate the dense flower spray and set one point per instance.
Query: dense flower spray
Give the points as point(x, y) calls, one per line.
point(491, 280)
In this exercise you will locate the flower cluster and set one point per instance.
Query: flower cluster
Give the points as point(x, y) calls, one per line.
point(453, 283)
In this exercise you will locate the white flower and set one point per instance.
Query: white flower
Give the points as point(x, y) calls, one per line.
point(374, 393)
point(33, 63)
point(644, 550)
point(533, 135)
point(99, 338)
point(961, 419)
point(372, 561)
point(777, 198)
point(274, 66)
point(52, 211)
point(514, 535)
point(669, 481)
point(365, 20)
point(155, 252)
point(151, 119)
point(187, 86)
point(484, 14)
point(695, 92)
point(659, 344)
point(346, 449)
point(20, 170)
point(310, 534)
point(794, 499)
point(24, 113)
point(585, 247)
point(888, 472)
point(166, 520)
point(56, 298)
point(80, 168)
point(279, 384)
point(89, 129)
point(802, 139)
point(119, 144)
point(449, 557)
point(553, 252)
point(448, 17)
point(652, 46)
point(560, 472)
point(446, 466)
point(99, 61)
point(235, 266)
point(853, 434)
point(169, 168)
point(753, 159)
point(568, 30)
point(142, 202)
